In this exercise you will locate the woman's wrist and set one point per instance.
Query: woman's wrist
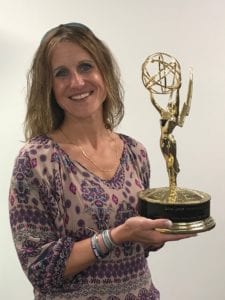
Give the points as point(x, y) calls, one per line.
point(102, 244)
point(119, 234)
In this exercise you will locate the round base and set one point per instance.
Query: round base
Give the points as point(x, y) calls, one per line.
point(189, 210)
point(191, 227)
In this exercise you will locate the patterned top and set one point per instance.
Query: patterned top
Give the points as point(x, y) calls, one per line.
point(55, 202)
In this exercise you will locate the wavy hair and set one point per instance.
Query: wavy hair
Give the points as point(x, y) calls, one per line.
point(43, 113)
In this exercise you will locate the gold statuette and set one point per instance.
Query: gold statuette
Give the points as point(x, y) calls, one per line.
point(188, 209)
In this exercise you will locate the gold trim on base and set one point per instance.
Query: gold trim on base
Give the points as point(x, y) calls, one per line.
point(191, 227)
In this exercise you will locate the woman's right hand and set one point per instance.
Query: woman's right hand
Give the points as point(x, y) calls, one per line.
point(143, 230)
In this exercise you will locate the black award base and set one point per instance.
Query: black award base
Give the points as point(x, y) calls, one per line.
point(189, 211)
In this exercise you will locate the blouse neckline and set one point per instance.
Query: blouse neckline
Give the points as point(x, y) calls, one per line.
point(75, 162)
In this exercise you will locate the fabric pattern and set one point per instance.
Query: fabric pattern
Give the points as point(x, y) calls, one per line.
point(55, 202)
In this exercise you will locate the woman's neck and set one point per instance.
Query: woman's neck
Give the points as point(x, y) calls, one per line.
point(85, 133)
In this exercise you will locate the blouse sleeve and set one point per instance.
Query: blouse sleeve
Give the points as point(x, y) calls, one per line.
point(141, 163)
point(145, 168)
point(42, 247)
point(145, 172)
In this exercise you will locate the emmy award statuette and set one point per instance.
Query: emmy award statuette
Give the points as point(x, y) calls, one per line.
point(188, 209)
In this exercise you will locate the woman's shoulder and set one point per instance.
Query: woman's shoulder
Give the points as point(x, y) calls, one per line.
point(36, 156)
point(138, 156)
point(132, 142)
point(39, 148)
point(36, 145)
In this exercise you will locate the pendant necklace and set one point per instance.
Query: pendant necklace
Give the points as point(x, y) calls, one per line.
point(86, 156)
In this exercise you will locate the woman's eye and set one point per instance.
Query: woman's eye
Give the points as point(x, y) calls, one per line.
point(61, 73)
point(85, 67)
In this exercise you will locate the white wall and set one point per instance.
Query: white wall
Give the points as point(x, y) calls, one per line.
point(192, 31)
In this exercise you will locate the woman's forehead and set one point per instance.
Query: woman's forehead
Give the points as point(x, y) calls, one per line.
point(65, 52)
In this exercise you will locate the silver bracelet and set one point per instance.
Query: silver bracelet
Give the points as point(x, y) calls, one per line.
point(94, 248)
point(99, 254)
point(106, 237)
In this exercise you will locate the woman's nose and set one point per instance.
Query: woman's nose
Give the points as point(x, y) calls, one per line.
point(76, 80)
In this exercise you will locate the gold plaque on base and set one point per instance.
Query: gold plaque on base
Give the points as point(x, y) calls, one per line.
point(188, 209)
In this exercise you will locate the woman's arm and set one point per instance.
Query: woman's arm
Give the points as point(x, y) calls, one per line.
point(136, 229)
point(42, 247)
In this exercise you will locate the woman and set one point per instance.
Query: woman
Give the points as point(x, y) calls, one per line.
point(73, 194)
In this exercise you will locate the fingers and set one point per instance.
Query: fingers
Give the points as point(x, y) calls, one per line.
point(167, 224)
point(144, 230)
point(160, 223)
point(177, 237)
point(147, 224)
point(167, 237)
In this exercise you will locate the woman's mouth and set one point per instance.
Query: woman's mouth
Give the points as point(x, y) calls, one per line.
point(80, 96)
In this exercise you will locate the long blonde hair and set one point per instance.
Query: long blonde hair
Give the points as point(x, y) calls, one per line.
point(43, 113)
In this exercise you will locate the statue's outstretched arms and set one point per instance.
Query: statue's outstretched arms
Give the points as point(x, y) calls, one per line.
point(187, 105)
point(156, 105)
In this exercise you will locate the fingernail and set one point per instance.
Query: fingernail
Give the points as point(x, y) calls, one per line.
point(169, 223)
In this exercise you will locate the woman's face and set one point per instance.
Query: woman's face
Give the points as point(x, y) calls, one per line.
point(78, 85)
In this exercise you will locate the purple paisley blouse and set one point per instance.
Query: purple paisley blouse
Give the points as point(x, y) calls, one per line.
point(55, 202)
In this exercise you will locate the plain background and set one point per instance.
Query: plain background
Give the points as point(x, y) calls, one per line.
point(193, 32)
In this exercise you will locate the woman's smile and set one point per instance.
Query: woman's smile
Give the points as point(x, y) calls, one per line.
point(79, 97)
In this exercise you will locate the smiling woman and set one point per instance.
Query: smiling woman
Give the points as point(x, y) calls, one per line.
point(43, 113)
point(73, 194)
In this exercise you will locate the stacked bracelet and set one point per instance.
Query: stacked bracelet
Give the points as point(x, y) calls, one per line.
point(107, 239)
point(108, 243)
point(99, 254)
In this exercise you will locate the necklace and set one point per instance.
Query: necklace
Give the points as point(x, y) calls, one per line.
point(87, 157)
